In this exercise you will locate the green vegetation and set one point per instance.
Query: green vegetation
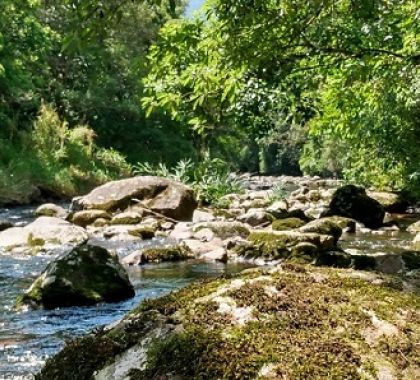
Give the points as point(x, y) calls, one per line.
point(325, 87)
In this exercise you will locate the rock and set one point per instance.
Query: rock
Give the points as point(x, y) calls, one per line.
point(85, 276)
point(167, 197)
point(200, 216)
point(182, 231)
point(352, 202)
point(324, 226)
point(143, 232)
point(219, 254)
point(225, 230)
point(87, 217)
point(43, 230)
point(287, 224)
point(201, 248)
point(101, 222)
point(158, 254)
point(128, 217)
point(281, 244)
point(5, 224)
point(415, 246)
point(50, 209)
point(254, 217)
point(278, 208)
point(391, 202)
point(413, 228)
point(269, 315)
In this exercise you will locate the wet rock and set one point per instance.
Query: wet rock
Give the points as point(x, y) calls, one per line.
point(51, 209)
point(158, 254)
point(352, 202)
point(43, 230)
point(161, 195)
point(87, 217)
point(287, 224)
point(324, 226)
point(85, 276)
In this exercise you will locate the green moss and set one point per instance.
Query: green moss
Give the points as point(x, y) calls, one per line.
point(144, 233)
point(287, 224)
point(159, 254)
point(307, 323)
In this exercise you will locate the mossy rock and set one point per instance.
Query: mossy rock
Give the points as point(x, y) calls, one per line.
point(225, 230)
point(144, 233)
point(287, 224)
point(294, 322)
point(325, 226)
point(160, 254)
point(85, 276)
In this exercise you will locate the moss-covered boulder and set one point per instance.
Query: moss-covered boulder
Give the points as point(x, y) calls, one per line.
point(280, 244)
point(287, 224)
point(159, 254)
point(87, 217)
point(352, 202)
point(290, 322)
point(85, 276)
point(325, 226)
point(224, 229)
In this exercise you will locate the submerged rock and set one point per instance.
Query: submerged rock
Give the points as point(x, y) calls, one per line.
point(352, 202)
point(44, 230)
point(85, 276)
point(167, 197)
point(287, 322)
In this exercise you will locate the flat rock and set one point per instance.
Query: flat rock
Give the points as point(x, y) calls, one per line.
point(43, 230)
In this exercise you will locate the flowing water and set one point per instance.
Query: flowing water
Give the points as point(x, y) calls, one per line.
point(27, 338)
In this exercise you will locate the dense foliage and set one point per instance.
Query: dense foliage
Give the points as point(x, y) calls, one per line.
point(326, 87)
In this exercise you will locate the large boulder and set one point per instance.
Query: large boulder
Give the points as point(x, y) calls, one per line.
point(353, 202)
point(85, 276)
point(167, 197)
point(44, 230)
point(391, 202)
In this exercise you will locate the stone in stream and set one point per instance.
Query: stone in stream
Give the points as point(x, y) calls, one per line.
point(44, 230)
point(86, 217)
point(85, 276)
point(51, 209)
point(353, 202)
point(158, 254)
point(414, 228)
point(170, 198)
point(325, 226)
point(416, 243)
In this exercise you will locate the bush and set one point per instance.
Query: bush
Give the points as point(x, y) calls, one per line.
point(210, 178)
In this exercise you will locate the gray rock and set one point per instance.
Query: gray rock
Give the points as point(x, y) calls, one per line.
point(167, 197)
point(51, 209)
point(43, 230)
point(85, 276)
